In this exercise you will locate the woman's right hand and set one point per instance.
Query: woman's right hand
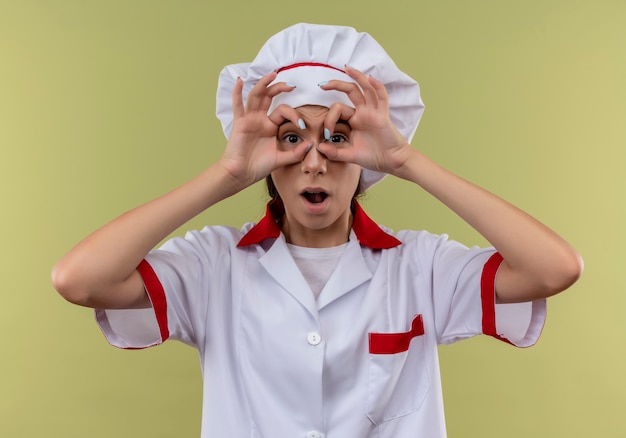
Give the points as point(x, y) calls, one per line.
point(101, 270)
point(251, 152)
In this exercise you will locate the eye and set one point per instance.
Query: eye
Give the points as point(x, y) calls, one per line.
point(338, 139)
point(291, 138)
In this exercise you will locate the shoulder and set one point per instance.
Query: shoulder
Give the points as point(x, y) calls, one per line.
point(208, 239)
point(421, 240)
point(421, 246)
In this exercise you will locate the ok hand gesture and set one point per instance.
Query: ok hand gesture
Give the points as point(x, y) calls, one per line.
point(251, 152)
point(375, 143)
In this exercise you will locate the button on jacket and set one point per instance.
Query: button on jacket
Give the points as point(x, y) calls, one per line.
point(360, 361)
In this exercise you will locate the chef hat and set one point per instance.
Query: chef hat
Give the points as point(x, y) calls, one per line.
point(305, 55)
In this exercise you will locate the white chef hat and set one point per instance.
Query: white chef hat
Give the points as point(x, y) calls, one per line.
point(307, 54)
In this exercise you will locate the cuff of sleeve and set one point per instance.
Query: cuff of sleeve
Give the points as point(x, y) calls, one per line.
point(518, 324)
point(138, 328)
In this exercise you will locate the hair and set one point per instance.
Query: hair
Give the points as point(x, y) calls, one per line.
point(273, 192)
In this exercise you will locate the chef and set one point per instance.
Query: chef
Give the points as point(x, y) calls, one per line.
point(315, 321)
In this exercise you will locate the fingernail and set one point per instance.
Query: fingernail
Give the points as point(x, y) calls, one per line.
point(323, 83)
point(308, 148)
point(349, 66)
point(326, 133)
point(301, 124)
point(289, 84)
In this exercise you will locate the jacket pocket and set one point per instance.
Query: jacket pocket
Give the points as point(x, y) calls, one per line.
point(398, 373)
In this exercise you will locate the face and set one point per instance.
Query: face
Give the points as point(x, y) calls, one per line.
point(317, 193)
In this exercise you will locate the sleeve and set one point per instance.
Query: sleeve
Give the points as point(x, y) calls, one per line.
point(519, 324)
point(177, 278)
point(464, 299)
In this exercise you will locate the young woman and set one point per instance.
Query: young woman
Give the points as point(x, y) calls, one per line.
point(316, 321)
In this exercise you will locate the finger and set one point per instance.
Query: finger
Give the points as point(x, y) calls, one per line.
point(352, 90)
point(292, 156)
point(337, 111)
point(257, 94)
point(368, 90)
point(381, 91)
point(277, 88)
point(238, 110)
point(334, 153)
point(264, 100)
point(285, 112)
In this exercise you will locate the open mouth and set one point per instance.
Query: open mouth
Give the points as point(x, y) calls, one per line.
point(315, 197)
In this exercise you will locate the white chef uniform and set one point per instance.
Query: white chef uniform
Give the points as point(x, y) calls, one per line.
point(361, 361)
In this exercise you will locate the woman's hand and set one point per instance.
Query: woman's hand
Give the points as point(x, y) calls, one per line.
point(251, 152)
point(375, 143)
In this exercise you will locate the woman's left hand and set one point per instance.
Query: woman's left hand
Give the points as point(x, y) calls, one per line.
point(375, 143)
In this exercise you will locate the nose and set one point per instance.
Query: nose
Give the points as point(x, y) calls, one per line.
point(314, 162)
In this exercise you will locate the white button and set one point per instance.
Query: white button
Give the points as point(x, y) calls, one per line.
point(314, 434)
point(314, 338)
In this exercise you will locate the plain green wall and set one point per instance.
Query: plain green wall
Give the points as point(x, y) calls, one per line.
point(107, 104)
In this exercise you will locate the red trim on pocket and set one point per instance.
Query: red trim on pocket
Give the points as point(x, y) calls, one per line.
point(391, 343)
point(155, 291)
point(488, 296)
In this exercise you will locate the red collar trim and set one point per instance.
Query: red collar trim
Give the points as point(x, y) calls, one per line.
point(367, 231)
point(267, 228)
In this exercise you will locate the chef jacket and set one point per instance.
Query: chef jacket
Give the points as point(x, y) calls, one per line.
point(360, 361)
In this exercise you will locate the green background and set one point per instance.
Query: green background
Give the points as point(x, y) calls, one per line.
point(107, 104)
